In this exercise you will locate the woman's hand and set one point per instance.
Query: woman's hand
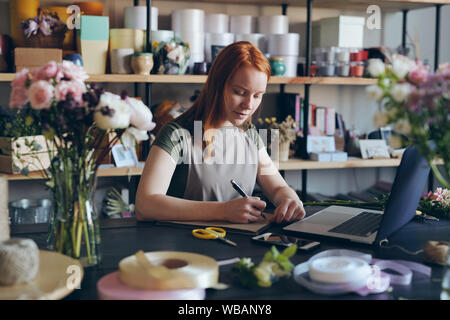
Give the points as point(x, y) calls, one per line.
point(288, 210)
point(243, 210)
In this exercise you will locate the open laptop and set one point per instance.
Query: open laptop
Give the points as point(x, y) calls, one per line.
point(372, 226)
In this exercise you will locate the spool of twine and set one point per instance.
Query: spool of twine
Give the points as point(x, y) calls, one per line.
point(436, 252)
point(4, 215)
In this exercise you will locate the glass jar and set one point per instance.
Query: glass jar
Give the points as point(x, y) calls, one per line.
point(326, 69)
point(343, 69)
point(277, 66)
point(357, 69)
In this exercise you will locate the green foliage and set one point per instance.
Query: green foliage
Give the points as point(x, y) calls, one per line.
point(18, 123)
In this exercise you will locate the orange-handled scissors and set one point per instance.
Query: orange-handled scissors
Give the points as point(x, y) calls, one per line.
point(212, 233)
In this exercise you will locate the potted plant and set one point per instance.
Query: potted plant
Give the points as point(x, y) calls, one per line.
point(46, 30)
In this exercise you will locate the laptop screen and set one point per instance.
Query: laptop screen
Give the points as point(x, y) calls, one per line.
point(406, 192)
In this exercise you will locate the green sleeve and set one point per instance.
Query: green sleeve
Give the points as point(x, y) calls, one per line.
point(173, 139)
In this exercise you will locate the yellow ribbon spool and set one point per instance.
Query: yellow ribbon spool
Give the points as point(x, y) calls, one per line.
point(169, 270)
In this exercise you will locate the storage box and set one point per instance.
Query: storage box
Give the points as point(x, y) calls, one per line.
point(17, 154)
point(342, 31)
point(35, 57)
point(320, 156)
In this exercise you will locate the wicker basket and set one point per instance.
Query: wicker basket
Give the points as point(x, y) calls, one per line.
point(55, 40)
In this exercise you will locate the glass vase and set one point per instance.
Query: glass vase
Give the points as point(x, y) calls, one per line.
point(74, 229)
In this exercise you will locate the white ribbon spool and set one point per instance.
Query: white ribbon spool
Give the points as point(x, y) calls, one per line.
point(339, 270)
point(242, 24)
point(283, 44)
point(259, 40)
point(162, 35)
point(188, 20)
point(196, 41)
point(291, 65)
point(216, 23)
point(273, 24)
point(136, 18)
point(216, 39)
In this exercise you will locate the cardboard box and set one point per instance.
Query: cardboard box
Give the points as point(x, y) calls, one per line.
point(35, 57)
point(17, 153)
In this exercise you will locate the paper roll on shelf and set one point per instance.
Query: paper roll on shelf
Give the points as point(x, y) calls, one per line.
point(161, 35)
point(283, 44)
point(216, 39)
point(196, 41)
point(273, 24)
point(259, 40)
point(242, 24)
point(91, 8)
point(291, 65)
point(127, 38)
point(216, 23)
point(188, 20)
point(136, 18)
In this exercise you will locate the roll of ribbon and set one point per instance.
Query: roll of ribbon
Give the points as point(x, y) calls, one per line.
point(259, 40)
point(216, 39)
point(273, 24)
point(196, 41)
point(216, 23)
point(136, 18)
point(242, 24)
point(188, 20)
point(126, 38)
point(283, 44)
point(161, 35)
point(339, 269)
point(168, 270)
point(4, 217)
point(110, 287)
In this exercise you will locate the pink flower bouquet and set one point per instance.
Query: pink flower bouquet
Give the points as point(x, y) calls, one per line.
point(76, 119)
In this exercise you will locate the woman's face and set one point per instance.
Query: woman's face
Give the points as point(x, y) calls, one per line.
point(243, 95)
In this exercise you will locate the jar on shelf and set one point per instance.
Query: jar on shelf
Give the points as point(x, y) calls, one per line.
point(342, 69)
point(326, 69)
point(357, 69)
point(343, 55)
point(277, 66)
point(356, 56)
point(329, 55)
point(313, 70)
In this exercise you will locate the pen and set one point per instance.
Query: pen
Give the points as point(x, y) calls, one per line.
point(241, 192)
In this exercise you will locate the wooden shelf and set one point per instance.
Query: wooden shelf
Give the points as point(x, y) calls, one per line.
point(124, 78)
point(299, 164)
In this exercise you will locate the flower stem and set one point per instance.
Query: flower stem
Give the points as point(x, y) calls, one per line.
point(438, 175)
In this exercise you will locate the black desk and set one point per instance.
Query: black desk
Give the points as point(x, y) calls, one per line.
point(125, 237)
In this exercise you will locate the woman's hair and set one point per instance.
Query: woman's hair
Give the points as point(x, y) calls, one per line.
point(209, 104)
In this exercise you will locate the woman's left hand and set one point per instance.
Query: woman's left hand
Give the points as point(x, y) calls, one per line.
point(288, 210)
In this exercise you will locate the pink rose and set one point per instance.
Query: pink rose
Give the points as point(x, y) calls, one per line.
point(20, 79)
point(73, 72)
point(45, 72)
point(18, 98)
point(41, 95)
point(141, 116)
point(418, 74)
point(75, 88)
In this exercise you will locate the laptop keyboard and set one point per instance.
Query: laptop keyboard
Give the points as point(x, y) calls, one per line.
point(361, 225)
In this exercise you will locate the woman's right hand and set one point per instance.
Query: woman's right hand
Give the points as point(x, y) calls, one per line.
point(243, 210)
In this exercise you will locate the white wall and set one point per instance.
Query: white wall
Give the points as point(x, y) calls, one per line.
point(348, 100)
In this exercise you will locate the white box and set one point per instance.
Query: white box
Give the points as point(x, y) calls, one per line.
point(320, 156)
point(339, 156)
point(320, 144)
point(342, 31)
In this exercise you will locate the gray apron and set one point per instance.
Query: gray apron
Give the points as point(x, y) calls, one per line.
point(233, 156)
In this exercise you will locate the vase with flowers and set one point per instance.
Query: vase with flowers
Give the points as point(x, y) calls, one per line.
point(417, 102)
point(46, 30)
point(280, 134)
point(76, 119)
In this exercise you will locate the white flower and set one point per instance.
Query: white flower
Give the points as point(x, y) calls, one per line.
point(376, 67)
point(401, 66)
point(403, 126)
point(112, 112)
point(141, 116)
point(380, 119)
point(263, 272)
point(374, 92)
point(131, 135)
point(386, 82)
point(400, 92)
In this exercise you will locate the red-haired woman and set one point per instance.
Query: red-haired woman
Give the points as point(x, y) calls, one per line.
point(188, 170)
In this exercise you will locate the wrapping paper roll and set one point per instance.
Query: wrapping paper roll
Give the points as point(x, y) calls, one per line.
point(196, 41)
point(110, 287)
point(242, 24)
point(4, 216)
point(91, 8)
point(259, 40)
point(216, 39)
point(136, 18)
point(216, 23)
point(283, 44)
point(20, 10)
point(161, 35)
point(188, 20)
point(168, 270)
point(273, 24)
point(291, 65)
point(127, 38)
